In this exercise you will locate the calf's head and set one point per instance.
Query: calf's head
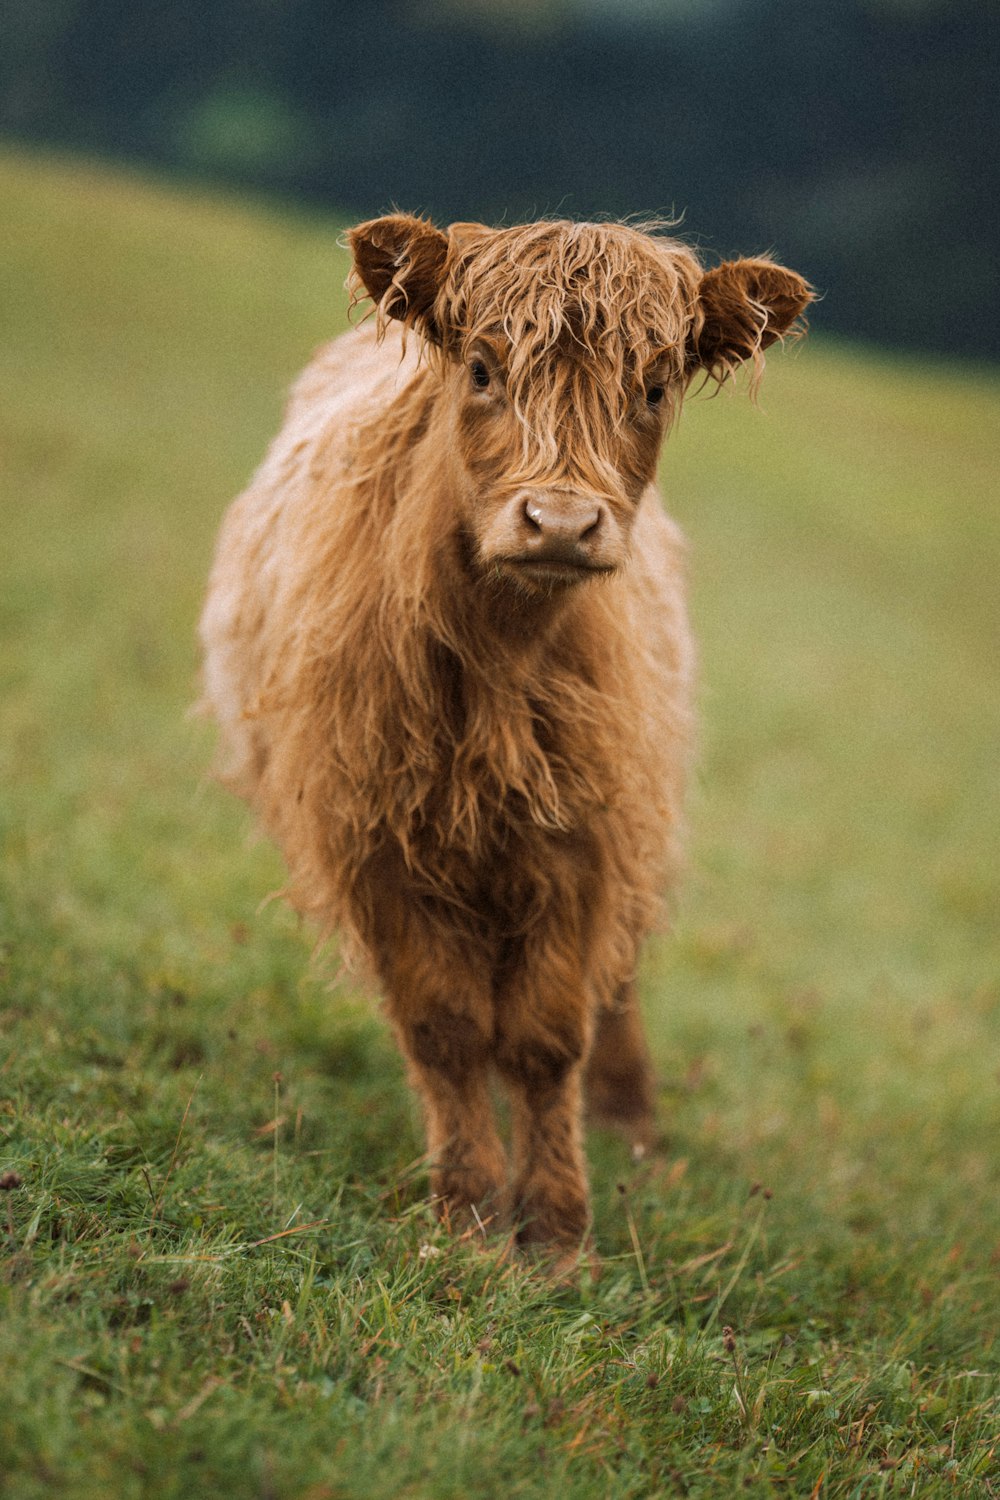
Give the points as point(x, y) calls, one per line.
point(564, 351)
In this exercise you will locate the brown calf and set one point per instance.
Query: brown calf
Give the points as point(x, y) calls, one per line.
point(446, 646)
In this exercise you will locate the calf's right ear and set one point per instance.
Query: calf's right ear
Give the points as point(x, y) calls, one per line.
point(399, 262)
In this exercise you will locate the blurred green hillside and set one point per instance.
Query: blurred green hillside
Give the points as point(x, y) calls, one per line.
point(179, 1086)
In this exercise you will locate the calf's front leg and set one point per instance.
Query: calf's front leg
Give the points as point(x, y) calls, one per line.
point(447, 1059)
point(443, 1019)
point(543, 1031)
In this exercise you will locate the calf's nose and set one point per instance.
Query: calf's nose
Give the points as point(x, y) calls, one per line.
point(558, 521)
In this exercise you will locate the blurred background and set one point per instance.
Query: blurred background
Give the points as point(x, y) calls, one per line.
point(825, 1016)
point(859, 141)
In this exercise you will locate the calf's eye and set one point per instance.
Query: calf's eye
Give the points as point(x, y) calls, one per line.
point(480, 375)
point(654, 394)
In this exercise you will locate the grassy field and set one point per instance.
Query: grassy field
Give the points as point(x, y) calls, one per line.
point(218, 1274)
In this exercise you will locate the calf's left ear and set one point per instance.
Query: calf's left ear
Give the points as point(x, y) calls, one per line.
point(399, 263)
point(743, 306)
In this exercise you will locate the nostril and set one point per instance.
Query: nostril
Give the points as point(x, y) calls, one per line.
point(592, 526)
point(534, 515)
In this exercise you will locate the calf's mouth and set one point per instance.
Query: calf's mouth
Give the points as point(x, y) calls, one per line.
point(555, 571)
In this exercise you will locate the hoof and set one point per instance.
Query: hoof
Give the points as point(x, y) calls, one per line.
point(565, 1265)
point(637, 1129)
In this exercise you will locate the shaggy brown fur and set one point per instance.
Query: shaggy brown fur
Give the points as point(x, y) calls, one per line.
point(446, 645)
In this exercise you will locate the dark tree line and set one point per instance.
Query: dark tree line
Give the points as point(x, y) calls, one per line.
point(859, 140)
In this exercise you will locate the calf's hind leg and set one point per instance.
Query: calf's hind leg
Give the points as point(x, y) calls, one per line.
point(619, 1081)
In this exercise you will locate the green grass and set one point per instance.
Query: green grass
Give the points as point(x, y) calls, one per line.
point(218, 1275)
